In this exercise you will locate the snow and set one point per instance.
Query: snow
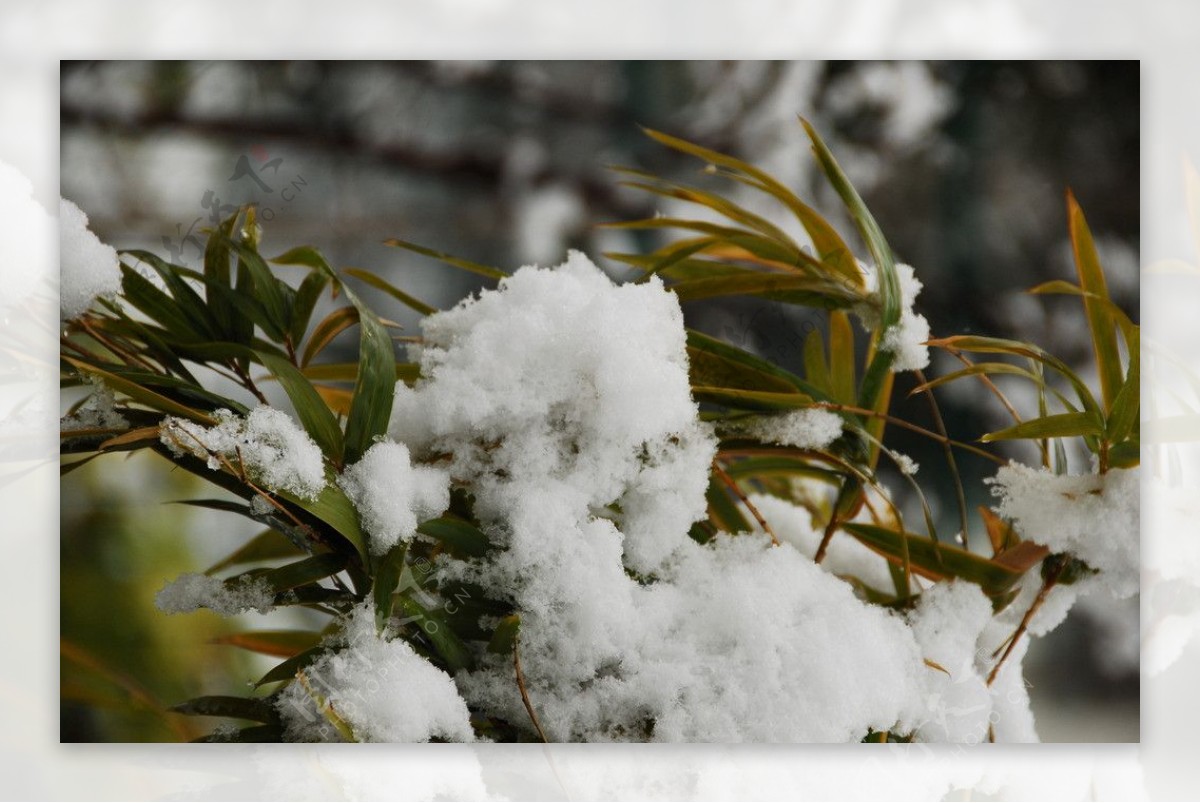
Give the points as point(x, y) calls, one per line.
point(1094, 517)
point(272, 448)
point(905, 339)
point(564, 402)
point(392, 495)
point(190, 592)
point(380, 688)
point(89, 267)
point(947, 622)
point(812, 428)
point(97, 412)
point(846, 556)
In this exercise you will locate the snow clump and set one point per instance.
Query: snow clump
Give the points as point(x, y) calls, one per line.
point(392, 495)
point(89, 267)
point(190, 592)
point(564, 401)
point(811, 428)
point(906, 338)
point(379, 688)
point(1094, 517)
point(272, 448)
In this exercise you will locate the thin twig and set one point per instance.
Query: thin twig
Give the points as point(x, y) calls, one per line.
point(745, 500)
point(900, 422)
point(1047, 584)
point(524, 692)
point(960, 495)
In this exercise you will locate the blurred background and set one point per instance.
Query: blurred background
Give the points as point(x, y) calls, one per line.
point(964, 165)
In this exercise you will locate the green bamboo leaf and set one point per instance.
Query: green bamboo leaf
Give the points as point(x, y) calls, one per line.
point(254, 709)
point(187, 300)
point(142, 395)
point(748, 370)
point(1061, 425)
point(437, 629)
point(463, 264)
point(217, 274)
point(287, 670)
point(305, 571)
point(790, 287)
point(1091, 280)
point(816, 370)
point(505, 637)
point(984, 368)
point(841, 358)
point(755, 244)
point(1126, 409)
point(276, 296)
point(371, 407)
point(461, 539)
point(157, 305)
point(306, 301)
point(832, 250)
point(680, 270)
point(335, 509)
point(937, 561)
point(752, 399)
point(721, 206)
point(772, 466)
point(249, 311)
point(307, 256)
point(393, 291)
point(314, 414)
point(348, 372)
point(387, 577)
point(877, 245)
point(996, 345)
point(266, 546)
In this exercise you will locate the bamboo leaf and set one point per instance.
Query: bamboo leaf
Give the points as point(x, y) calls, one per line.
point(393, 291)
point(1061, 425)
point(816, 370)
point(1091, 280)
point(287, 670)
point(273, 293)
point(832, 250)
point(303, 572)
point(371, 407)
point(752, 399)
point(306, 301)
point(318, 421)
point(784, 287)
point(437, 629)
point(330, 327)
point(461, 539)
point(267, 545)
point(387, 577)
point(934, 560)
point(463, 264)
point(142, 395)
point(505, 637)
point(277, 643)
point(841, 358)
point(877, 245)
point(256, 710)
point(332, 507)
point(348, 372)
